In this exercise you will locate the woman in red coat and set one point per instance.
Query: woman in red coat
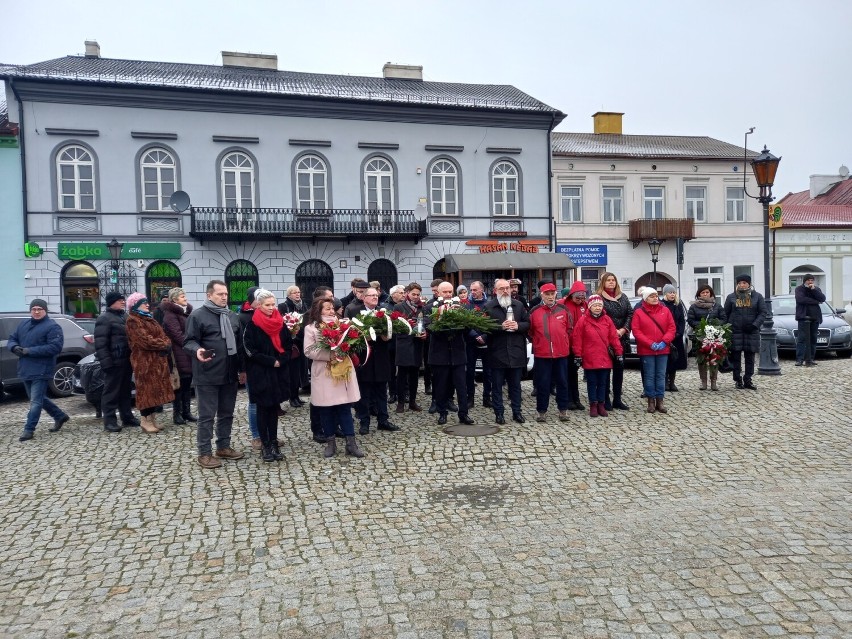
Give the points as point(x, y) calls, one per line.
point(654, 329)
point(593, 336)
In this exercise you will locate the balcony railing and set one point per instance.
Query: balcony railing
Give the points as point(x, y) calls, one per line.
point(665, 229)
point(274, 224)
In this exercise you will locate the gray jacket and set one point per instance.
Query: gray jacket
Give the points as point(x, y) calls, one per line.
point(203, 331)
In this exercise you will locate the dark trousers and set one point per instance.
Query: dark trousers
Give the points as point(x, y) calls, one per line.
point(333, 416)
point(427, 370)
point(316, 422)
point(547, 372)
point(445, 379)
point(473, 352)
point(617, 380)
point(597, 381)
point(267, 424)
point(117, 394)
point(573, 381)
point(806, 340)
point(736, 363)
point(372, 394)
point(215, 406)
point(298, 371)
point(512, 378)
point(406, 383)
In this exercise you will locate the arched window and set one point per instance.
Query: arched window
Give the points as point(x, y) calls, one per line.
point(238, 181)
point(443, 188)
point(75, 174)
point(157, 172)
point(161, 276)
point(504, 187)
point(313, 273)
point(311, 183)
point(384, 271)
point(240, 276)
point(378, 185)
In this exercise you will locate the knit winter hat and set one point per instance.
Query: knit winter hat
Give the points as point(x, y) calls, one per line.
point(595, 299)
point(577, 287)
point(38, 302)
point(648, 291)
point(135, 300)
point(743, 278)
point(808, 276)
point(565, 291)
point(112, 297)
point(668, 288)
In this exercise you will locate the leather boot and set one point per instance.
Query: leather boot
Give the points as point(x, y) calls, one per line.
point(593, 409)
point(660, 407)
point(414, 406)
point(330, 447)
point(148, 426)
point(352, 447)
point(672, 386)
point(266, 453)
point(276, 451)
point(187, 408)
point(607, 404)
point(177, 418)
point(618, 404)
point(652, 405)
point(602, 410)
point(713, 376)
point(702, 373)
point(400, 408)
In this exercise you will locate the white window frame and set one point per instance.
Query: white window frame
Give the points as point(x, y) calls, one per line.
point(571, 203)
point(505, 181)
point(608, 213)
point(77, 158)
point(241, 166)
point(658, 203)
point(712, 275)
point(695, 208)
point(734, 206)
point(444, 182)
point(311, 166)
point(376, 171)
point(160, 162)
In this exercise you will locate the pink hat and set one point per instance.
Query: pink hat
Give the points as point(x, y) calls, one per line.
point(134, 299)
point(594, 299)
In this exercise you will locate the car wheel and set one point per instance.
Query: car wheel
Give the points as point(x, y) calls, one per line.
point(62, 382)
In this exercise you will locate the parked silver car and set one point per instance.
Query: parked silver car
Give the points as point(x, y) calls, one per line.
point(834, 334)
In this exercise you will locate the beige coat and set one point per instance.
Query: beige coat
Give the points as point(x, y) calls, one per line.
point(324, 391)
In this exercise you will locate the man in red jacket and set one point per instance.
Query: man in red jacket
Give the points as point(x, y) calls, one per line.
point(549, 334)
point(576, 306)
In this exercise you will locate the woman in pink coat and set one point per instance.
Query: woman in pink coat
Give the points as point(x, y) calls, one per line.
point(333, 399)
point(653, 328)
point(593, 335)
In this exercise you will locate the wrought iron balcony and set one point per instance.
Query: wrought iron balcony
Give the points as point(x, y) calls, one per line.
point(277, 224)
point(664, 229)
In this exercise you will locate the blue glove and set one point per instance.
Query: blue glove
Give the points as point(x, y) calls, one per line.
point(657, 346)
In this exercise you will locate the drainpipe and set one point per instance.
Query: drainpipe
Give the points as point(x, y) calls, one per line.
point(551, 239)
point(21, 140)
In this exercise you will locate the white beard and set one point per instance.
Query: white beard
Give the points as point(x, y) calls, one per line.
point(504, 300)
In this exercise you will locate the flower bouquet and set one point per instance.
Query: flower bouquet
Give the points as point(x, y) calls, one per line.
point(714, 340)
point(293, 322)
point(450, 315)
point(380, 322)
point(342, 339)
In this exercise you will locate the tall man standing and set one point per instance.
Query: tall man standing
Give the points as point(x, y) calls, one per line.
point(809, 317)
point(113, 353)
point(507, 349)
point(211, 336)
point(36, 342)
point(745, 310)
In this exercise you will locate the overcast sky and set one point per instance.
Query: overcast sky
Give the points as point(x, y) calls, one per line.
point(712, 68)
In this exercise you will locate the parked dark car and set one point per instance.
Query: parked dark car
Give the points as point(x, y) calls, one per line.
point(834, 334)
point(78, 344)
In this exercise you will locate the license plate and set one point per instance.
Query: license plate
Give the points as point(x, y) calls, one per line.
point(822, 340)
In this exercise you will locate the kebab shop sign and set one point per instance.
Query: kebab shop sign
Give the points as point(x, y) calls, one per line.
point(494, 246)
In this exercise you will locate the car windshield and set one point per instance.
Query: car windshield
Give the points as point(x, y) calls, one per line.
point(787, 306)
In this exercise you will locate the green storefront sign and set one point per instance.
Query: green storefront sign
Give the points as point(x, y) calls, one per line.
point(130, 250)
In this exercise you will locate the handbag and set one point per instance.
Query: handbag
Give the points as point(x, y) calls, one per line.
point(174, 374)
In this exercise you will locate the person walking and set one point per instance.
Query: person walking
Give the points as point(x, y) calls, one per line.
point(113, 353)
point(809, 317)
point(211, 339)
point(332, 398)
point(267, 344)
point(745, 310)
point(409, 350)
point(677, 354)
point(507, 349)
point(298, 363)
point(653, 329)
point(175, 311)
point(550, 343)
point(149, 357)
point(36, 342)
point(593, 337)
point(618, 308)
point(705, 306)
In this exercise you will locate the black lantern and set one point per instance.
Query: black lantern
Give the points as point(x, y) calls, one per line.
point(654, 245)
point(765, 166)
point(115, 252)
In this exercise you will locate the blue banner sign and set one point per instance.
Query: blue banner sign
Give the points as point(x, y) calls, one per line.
point(584, 254)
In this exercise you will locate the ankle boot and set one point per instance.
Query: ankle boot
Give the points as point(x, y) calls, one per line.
point(617, 403)
point(400, 408)
point(414, 406)
point(276, 451)
point(652, 405)
point(702, 373)
point(602, 410)
point(330, 447)
point(147, 425)
point(266, 453)
point(607, 404)
point(672, 386)
point(187, 408)
point(660, 407)
point(153, 418)
point(593, 409)
point(352, 447)
point(713, 377)
point(177, 418)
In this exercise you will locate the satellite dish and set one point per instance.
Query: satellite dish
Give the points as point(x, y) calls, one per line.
point(844, 171)
point(179, 201)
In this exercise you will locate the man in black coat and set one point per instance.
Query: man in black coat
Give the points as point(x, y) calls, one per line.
point(745, 309)
point(809, 317)
point(113, 353)
point(507, 349)
point(409, 349)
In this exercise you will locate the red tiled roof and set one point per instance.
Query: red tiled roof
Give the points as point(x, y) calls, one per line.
point(831, 209)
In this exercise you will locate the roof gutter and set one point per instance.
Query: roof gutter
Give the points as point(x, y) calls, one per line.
point(551, 239)
point(22, 142)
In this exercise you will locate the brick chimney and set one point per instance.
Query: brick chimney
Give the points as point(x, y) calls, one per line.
point(402, 72)
point(607, 122)
point(93, 49)
point(250, 60)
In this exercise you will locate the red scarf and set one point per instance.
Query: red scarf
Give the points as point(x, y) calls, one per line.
point(270, 325)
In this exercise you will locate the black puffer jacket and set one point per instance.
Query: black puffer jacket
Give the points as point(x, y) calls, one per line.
point(409, 348)
point(701, 309)
point(111, 343)
point(745, 313)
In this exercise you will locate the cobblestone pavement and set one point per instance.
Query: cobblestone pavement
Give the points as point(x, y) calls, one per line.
point(728, 517)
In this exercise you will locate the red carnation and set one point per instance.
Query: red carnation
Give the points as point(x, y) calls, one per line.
point(396, 315)
point(380, 314)
point(344, 347)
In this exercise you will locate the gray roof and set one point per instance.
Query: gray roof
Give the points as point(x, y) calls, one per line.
point(644, 146)
point(4, 112)
point(285, 83)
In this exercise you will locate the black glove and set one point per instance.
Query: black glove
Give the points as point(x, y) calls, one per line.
point(620, 359)
point(578, 362)
point(19, 351)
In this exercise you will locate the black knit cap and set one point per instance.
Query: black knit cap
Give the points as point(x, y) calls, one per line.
point(743, 278)
point(38, 302)
point(808, 276)
point(112, 297)
point(250, 294)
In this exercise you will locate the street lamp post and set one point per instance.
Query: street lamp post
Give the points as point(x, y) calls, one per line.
point(654, 245)
point(114, 247)
point(764, 167)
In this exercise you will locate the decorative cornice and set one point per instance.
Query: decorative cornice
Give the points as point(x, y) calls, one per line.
point(446, 148)
point(150, 135)
point(387, 146)
point(503, 150)
point(236, 139)
point(72, 132)
point(323, 143)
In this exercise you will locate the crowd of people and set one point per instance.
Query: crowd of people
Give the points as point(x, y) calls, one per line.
point(177, 349)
